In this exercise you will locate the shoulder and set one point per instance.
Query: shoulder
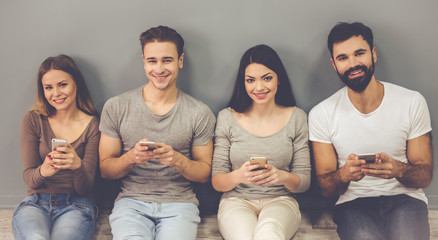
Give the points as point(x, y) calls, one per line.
point(399, 90)
point(133, 93)
point(329, 104)
point(123, 99)
point(193, 104)
point(32, 117)
point(224, 114)
point(192, 101)
point(299, 113)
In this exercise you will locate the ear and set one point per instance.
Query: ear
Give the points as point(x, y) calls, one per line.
point(374, 54)
point(333, 64)
point(181, 60)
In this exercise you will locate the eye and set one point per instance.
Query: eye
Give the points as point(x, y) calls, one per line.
point(48, 87)
point(151, 61)
point(167, 61)
point(342, 58)
point(360, 53)
point(63, 84)
point(268, 78)
point(249, 80)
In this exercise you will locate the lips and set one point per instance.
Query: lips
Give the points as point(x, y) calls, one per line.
point(356, 72)
point(260, 95)
point(59, 101)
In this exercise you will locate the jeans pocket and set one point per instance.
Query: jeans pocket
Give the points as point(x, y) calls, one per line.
point(29, 200)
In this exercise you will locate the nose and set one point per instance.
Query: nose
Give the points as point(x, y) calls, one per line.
point(352, 62)
point(57, 91)
point(159, 67)
point(259, 85)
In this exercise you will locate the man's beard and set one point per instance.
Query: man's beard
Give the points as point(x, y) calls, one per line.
point(358, 84)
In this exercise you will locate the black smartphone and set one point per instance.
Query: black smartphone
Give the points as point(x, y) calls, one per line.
point(369, 158)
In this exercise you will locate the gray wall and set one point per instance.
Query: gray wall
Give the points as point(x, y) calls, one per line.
point(102, 36)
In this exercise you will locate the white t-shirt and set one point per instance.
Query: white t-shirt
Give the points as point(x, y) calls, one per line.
point(402, 115)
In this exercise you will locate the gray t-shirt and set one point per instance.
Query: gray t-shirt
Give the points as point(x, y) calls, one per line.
point(287, 150)
point(189, 123)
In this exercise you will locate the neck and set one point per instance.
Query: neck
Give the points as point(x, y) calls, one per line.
point(263, 110)
point(368, 100)
point(154, 95)
point(66, 115)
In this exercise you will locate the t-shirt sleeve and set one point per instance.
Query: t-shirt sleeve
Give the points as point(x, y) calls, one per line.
point(318, 125)
point(204, 127)
point(222, 144)
point(110, 119)
point(419, 117)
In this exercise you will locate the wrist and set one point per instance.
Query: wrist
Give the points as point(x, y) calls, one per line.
point(130, 158)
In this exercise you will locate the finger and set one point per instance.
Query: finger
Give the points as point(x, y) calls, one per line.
point(352, 156)
point(384, 157)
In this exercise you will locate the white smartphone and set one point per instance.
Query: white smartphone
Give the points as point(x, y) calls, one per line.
point(369, 158)
point(262, 161)
point(151, 145)
point(58, 142)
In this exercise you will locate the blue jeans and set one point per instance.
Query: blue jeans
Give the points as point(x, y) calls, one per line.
point(385, 217)
point(54, 216)
point(132, 219)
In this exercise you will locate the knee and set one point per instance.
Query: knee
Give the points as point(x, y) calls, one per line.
point(269, 229)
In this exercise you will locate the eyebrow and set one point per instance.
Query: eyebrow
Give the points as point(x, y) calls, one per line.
point(261, 77)
point(357, 51)
point(164, 58)
point(64, 80)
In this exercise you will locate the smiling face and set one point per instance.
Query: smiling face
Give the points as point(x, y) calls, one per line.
point(354, 61)
point(260, 83)
point(59, 89)
point(161, 64)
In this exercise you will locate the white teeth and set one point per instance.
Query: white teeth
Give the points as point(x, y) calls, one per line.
point(355, 73)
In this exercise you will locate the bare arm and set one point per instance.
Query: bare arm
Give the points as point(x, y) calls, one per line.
point(115, 166)
point(196, 170)
point(332, 180)
point(417, 173)
point(224, 182)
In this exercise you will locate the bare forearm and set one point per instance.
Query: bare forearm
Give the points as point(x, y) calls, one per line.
point(292, 181)
point(224, 182)
point(415, 176)
point(115, 167)
point(195, 171)
point(332, 185)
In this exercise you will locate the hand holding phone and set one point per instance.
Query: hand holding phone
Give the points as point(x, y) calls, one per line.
point(369, 158)
point(151, 145)
point(261, 161)
point(58, 142)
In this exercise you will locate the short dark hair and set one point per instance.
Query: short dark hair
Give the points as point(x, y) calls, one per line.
point(265, 55)
point(343, 31)
point(162, 34)
point(66, 64)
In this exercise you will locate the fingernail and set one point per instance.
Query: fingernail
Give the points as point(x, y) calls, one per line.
point(52, 165)
point(49, 156)
point(54, 149)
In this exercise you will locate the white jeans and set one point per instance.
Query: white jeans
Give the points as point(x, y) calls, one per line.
point(269, 218)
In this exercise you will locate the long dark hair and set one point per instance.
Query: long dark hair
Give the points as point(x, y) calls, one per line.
point(265, 55)
point(66, 64)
